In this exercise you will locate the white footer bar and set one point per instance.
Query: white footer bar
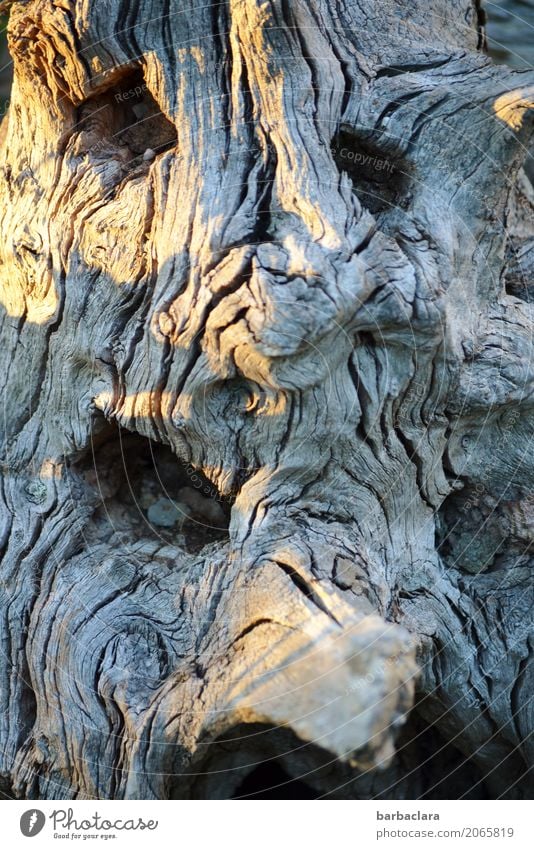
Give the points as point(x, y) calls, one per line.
point(268, 824)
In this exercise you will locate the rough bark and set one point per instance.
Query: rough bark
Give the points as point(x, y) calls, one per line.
point(277, 254)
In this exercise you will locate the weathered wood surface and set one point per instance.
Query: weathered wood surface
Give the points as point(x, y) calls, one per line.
point(281, 251)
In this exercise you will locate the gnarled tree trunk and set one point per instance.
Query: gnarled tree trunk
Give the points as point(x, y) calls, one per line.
point(267, 310)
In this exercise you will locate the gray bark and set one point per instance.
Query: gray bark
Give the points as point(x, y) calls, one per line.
point(270, 263)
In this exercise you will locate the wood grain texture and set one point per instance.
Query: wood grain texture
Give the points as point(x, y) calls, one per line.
point(280, 253)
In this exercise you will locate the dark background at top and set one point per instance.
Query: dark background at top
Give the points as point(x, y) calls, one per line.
point(510, 32)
